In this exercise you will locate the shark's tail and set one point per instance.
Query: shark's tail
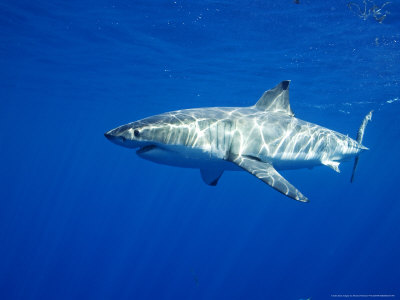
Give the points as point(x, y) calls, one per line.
point(360, 135)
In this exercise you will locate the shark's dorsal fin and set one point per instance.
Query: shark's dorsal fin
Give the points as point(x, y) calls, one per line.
point(276, 99)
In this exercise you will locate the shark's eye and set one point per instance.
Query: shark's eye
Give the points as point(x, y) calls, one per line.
point(136, 133)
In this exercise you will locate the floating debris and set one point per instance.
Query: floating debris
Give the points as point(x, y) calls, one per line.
point(393, 100)
point(369, 8)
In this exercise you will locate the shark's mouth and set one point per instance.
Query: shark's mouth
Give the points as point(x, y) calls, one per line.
point(146, 149)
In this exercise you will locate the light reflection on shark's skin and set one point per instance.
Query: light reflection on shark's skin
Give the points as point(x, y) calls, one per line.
point(260, 139)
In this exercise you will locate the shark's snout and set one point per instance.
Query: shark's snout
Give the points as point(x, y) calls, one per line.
point(108, 135)
point(112, 136)
point(115, 137)
point(122, 136)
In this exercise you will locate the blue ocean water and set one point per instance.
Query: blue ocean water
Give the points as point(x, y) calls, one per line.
point(81, 218)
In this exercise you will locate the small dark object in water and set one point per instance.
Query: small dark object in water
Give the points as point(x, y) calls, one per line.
point(297, 1)
point(196, 280)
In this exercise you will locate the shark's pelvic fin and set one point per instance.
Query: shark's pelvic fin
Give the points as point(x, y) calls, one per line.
point(334, 165)
point(211, 176)
point(360, 136)
point(276, 99)
point(266, 172)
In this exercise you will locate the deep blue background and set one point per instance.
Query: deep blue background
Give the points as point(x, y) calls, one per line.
point(83, 218)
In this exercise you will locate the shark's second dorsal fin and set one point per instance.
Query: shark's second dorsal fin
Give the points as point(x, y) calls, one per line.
point(276, 99)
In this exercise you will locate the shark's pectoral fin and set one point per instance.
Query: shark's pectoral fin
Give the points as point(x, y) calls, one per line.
point(334, 165)
point(211, 176)
point(267, 173)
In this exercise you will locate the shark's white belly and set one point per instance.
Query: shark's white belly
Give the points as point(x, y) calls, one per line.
point(186, 157)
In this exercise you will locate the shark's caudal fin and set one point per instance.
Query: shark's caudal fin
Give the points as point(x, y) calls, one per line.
point(360, 136)
point(276, 99)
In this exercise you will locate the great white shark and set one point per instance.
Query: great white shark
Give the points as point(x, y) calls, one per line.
point(261, 139)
